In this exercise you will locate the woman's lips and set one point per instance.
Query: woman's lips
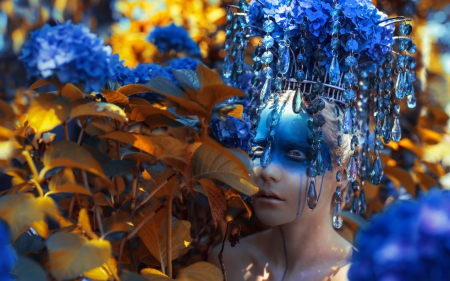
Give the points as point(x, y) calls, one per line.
point(267, 195)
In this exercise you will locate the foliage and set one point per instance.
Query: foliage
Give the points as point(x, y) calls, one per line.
point(173, 38)
point(105, 200)
point(409, 240)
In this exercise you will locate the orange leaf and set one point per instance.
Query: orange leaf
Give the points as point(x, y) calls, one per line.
point(408, 144)
point(401, 177)
point(39, 83)
point(216, 198)
point(426, 181)
point(141, 112)
point(214, 94)
point(132, 89)
point(71, 92)
point(207, 76)
point(115, 97)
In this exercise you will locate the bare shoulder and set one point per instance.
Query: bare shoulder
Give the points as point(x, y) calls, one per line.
point(341, 274)
point(240, 261)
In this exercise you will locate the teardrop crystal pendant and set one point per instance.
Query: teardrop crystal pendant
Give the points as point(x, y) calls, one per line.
point(377, 171)
point(347, 122)
point(362, 200)
point(264, 91)
point(312, 195)
point(400, 85)
point(227, 66)
point(335, 71)
point(355, 205)
point(386, 129)
point(267, 155)
point(396, 130)
point(337, 219)
point(239, 61)
point(283, 62)
point(411, 99)
point(297, 101)
point(352, 170)
point(319, 163)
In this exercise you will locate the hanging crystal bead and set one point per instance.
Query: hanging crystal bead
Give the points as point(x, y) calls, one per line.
point(355, 205)
point(297, 101)
point(227, 66)
point(347, 126)
point(400, 85)
point(283, 62)
point(408, 83)
point(335, 72)
point(267, 57)
point(267, 72)
point(337, 219)
point(243, 5)
point(377, 171)
point(300, 75)
point(229, 15)
point(351, 62)
point(350, 79)
point(265, 91)
point(267, 155)
point(311, 172)
point(312, 195)
point(349, 95)
point(268, 41)
point(319, 163)
point(396, 130)
point(268, 25)
point(386, 129)
point(352, 170)
point(278, 83)
point(411, 99)
point(362, 200)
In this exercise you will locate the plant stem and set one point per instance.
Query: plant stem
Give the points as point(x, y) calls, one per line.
point(134, 187)
point(151, 194)
point(30, 163)
point(99, 219)
point(66, 130)
point(169, 237)
point(80, 137)
point(85, 180)
point(38, 187)
point(72, 204)
point(222, 264)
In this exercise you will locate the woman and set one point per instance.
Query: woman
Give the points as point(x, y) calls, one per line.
point(301, 244)
point(331, 65)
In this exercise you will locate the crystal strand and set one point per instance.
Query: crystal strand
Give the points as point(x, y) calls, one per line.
point(227, 63)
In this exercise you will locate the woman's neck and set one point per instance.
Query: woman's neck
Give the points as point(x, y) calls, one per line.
point(309, 248)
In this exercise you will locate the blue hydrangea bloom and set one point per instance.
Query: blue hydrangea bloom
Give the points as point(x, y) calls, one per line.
point(8, 256)
point(233, 132)
point(360, 17)
point(409, 240)
point(173, 37)
point(71, 53)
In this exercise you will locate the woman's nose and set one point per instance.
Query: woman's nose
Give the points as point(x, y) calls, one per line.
point(270, 173)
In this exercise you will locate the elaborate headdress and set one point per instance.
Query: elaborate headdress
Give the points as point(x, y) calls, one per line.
point(343, 51)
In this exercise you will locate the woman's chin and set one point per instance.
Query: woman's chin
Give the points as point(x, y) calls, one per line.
point(270, 216)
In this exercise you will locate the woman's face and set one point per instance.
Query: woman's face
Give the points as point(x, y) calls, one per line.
point(283, 182)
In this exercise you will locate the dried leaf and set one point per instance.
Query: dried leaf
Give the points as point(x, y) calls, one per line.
point(141, 112)
point(101, 199)
point(101, 109)
point(210, 163)
point(38, 84)
point(27, 269)
point(85, 224)
point(153, 235)
point(6, 113)
point(207, 76)
point(216, 198)
point(211, 95)
point(408, 144)
point(102, 273)
point(115, 97)
point(426, 181)
point(132, 89)
point(428, 136)
point(70, 254)
point(199, 271)
point(69, 154)
point(401, 177)
point(71, 92)
point(48, 111)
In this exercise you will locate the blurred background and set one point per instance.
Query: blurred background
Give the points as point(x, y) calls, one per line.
point(420, 161)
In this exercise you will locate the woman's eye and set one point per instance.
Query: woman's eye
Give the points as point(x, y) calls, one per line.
point(297, 155)
point(257, 150)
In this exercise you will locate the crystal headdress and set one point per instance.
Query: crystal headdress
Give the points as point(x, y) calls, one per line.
point(343, 51)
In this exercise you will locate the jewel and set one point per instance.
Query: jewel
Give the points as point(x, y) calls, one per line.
point(335, 72)
point(377, 171)
point(352, 170)
point(303, 26)
point(400, 85)
point(228, 30)
point(315, 138)
point(389, 57)
point(312, 195)
point(380, 72)
point(338, 193)
point(318, 120)
point(352, 45)
point(278, 83)
point(335, 27)
point(339, 140)
point(300, 75)
point(335, 43)
point(408, 83)
point(264, 91)
point(350, 79)
point(362, 200)
point(339, 160)
point(302, 59)
point(337, 219)
point(259, 50)
point(268, 41)
point(354, 142)
point(351, 62)
point(405, 29)
point(319, 162)
point(227, 44)
point(319, 103)
point(257, 66)
point(267, 155)
point(355, 186)
point(411, 99)
point(267, 72)
point(311, 172)
point(355, 205)
point(366, 168)
point(227, 66)
point(243, 5)
point(311, 126)
point(229, 15)
point(268, 25)
point(297, 101)
point(267, 57)
point(400, 61)
point(347, 126)
point(338, 176)
point(396, 130)
point(336, 110)
point(283, 60)
point(386, 129)
point(240, 23)
point(413, 49)
point(239, 61)
point(336, 10)
point(255, 81)
point(349, 95)
point(388, 71)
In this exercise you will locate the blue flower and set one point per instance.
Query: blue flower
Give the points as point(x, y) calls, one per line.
point(8, 257)
point(71, 53)
point(409, 240)
point(233, 132)
point(175, 38)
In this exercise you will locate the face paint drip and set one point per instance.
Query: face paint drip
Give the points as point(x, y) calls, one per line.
point(304, 198)
point(299, 199)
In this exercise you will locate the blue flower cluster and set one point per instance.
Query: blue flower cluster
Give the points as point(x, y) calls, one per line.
point(142, 73)
point(410, 240)
point(233, 132)
point(71, 53)
point(8, 257)
point(173, 37)
point(359, 21)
